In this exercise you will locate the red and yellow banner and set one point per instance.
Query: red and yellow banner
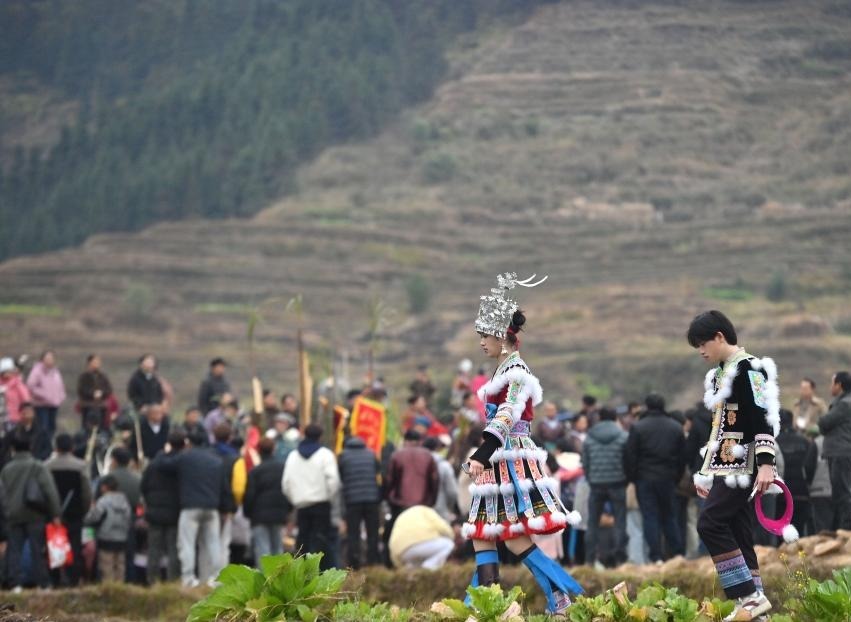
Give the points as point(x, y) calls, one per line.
point(369, 421)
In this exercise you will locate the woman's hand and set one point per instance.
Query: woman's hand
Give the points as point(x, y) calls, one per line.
point(764, 478)
point(701, 491)
point(476, 468)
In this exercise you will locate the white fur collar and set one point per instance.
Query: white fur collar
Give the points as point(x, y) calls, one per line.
point(712, 398)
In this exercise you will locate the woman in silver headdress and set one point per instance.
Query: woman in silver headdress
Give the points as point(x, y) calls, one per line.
point(512, 496)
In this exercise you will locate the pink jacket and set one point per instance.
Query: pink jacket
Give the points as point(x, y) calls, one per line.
point(16, 393)
point(46, 386)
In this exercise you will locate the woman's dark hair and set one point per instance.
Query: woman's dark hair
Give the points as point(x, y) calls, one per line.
point(517, 322)
point(844, 380)
point(705, 326)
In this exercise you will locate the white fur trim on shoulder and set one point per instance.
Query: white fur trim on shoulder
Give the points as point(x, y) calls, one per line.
point(772, 393)
point(531, 385)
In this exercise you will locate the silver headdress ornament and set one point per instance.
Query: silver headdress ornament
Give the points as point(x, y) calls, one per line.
point(496, 309)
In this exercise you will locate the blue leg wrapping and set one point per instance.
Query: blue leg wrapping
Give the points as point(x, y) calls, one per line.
point(550, 576)
point(482, 557)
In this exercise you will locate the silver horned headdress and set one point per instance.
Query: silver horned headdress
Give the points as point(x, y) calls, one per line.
point(496, 309)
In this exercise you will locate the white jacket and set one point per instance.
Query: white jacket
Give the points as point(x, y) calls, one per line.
point(311, 481)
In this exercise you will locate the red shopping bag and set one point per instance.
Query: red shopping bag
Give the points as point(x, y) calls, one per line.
point(59, 552)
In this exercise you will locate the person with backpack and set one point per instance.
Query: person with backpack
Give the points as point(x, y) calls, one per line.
point(112, 517)
point(31, 500)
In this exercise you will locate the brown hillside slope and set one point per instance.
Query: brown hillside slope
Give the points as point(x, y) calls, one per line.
point(654, 160)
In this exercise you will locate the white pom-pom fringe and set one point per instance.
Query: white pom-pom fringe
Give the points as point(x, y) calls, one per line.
point(493, 531)
point(467, 530)
point(704, 481)
point(537, 523)
point(526, 484)
point(744, 481)
point(517, 528)
point(774, 489)
point(714, 446)
point(506, 488)
point(558, 518)
point(574, 518)
point(547, 482)
point(738, 451)
point(703, 451)
point(790, 534)
point(730, 480)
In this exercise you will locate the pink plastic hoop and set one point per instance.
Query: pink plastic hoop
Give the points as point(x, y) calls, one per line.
point(773, 525)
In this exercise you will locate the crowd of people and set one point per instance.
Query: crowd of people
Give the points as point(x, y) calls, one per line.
point(148, 495)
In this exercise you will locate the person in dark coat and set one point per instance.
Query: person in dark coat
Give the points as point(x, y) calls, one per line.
point(161, 492)
point(654, 459)
point(836, 428)
point(213, 387)
point(264, 503)
point(602, 460)
point(40, 445)
point(94, 391)
point(144, 387)
point(70, 475)
point(154, 427)
point(204, 488)
point(360, 472)
point(800, 459)
point(698, 436)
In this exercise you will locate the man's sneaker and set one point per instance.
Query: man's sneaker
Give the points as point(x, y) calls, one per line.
point(749, 608)
point(191, 582)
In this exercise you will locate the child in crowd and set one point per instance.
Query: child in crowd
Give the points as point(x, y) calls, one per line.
point(111, 516)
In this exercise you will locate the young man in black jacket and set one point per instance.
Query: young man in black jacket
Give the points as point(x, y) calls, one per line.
point(161, 491)
point(264, 503)
point(739, 460)
point(359, 475)
point(654, 459)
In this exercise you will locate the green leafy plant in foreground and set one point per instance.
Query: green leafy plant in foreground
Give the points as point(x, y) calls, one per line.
point(362, 611)
point(488, 604)
point(654, 603)
point(285, 588)
point(825, 601)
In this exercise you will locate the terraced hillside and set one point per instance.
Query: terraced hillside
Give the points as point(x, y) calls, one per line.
point(653, 159)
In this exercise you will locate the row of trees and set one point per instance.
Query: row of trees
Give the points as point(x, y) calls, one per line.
point(204, 107)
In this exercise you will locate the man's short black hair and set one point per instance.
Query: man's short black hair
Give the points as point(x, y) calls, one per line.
point(21, 440)
point(413, 435)
point(109, 482)
point(177, 438)
point(91, 357)
point(218, 361)
point(589, 400)
point(64, 443)
point(313, 432)
point(197, 438)
point(121, 455)
point(785, 418)
point(811, 381)
point(654, 401)
point(705, 326)
point(432, 443)
point(608, 414)
point(844, 380)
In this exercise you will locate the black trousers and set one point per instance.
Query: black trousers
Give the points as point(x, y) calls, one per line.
point(823, 514)
point(725, 526)
point(840, 483)
point(366, 513)
point(314, 530)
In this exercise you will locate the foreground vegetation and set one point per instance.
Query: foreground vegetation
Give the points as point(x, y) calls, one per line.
point(293, 588)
